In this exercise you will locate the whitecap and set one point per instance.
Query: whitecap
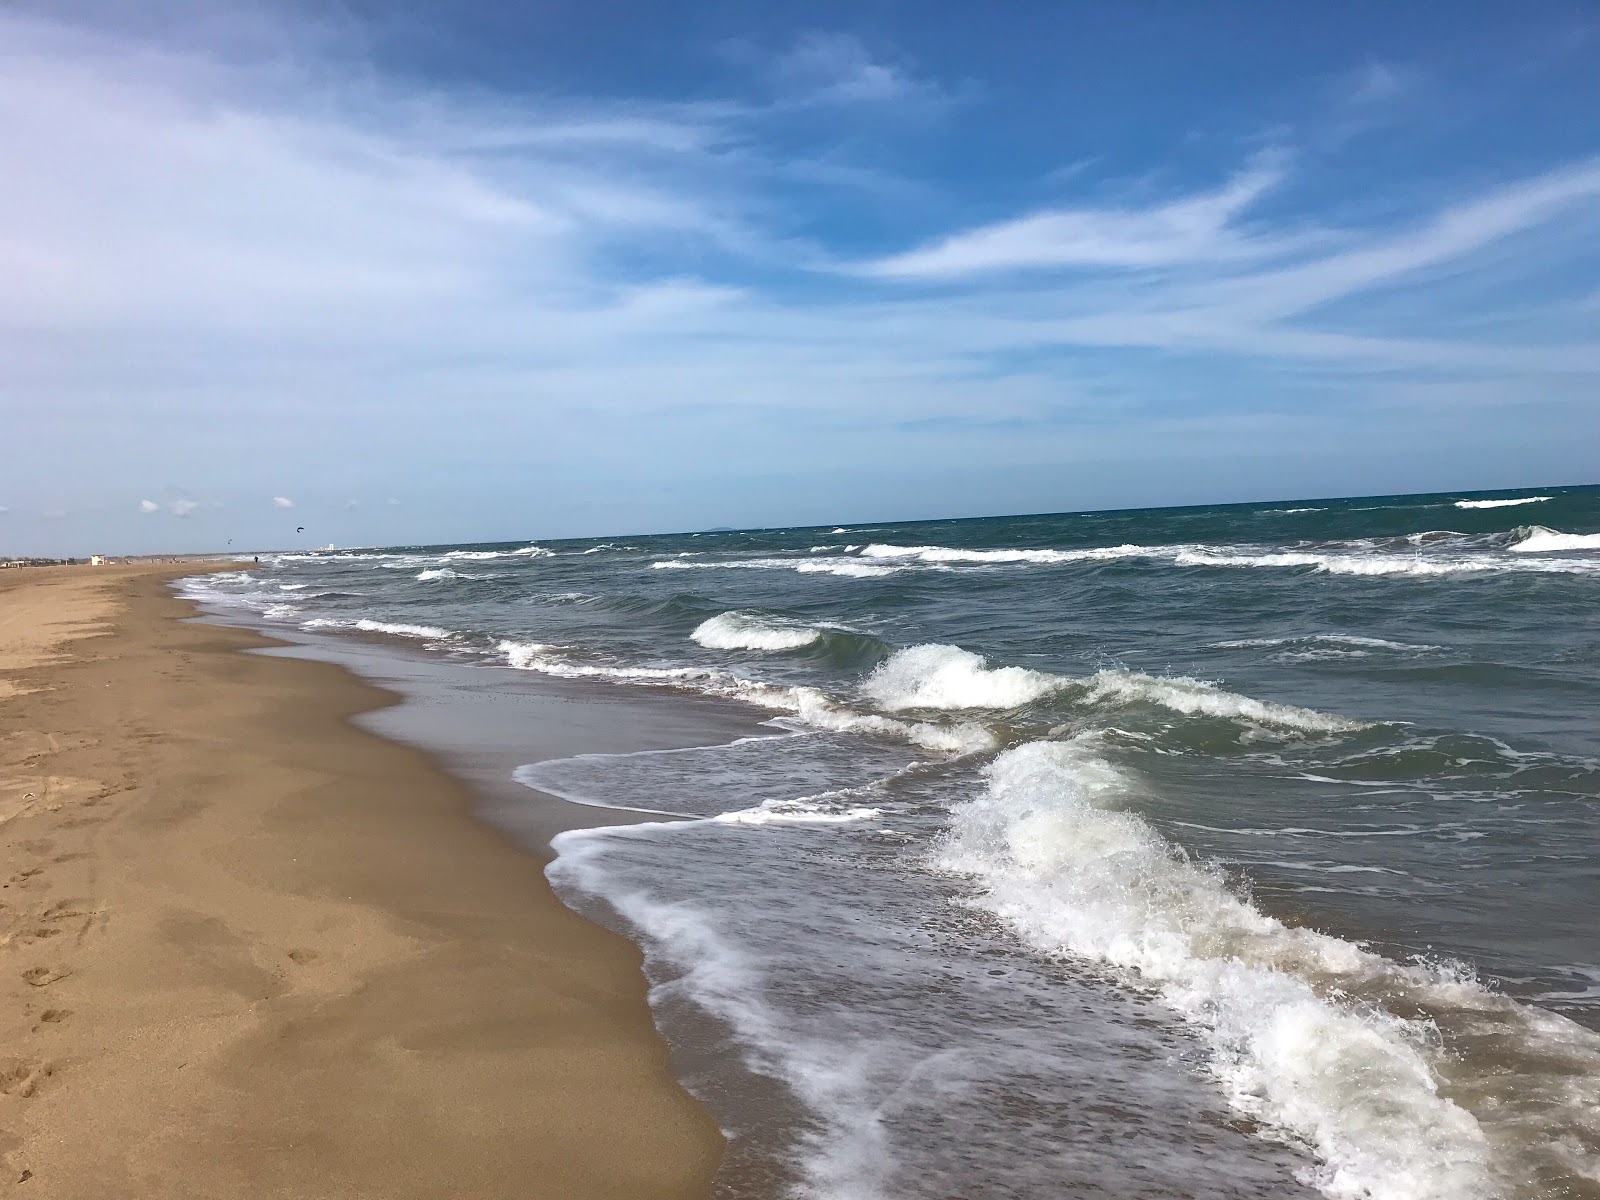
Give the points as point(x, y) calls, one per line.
point(367, 625)
point(1539, 540)
point(1501, 503)
point(749, 631)
point(810, 707)
point(1057, 856)
point(939, 676)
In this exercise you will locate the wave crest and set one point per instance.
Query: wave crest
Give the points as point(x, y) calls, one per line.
point(748, 631)
point(1060, 860)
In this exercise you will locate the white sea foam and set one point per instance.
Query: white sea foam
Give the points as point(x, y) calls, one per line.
point(809, 706)
point(939, 676)
point(437, 573)
point(1501, 503)
point(1058, 858)
point(855, 570)
point(947, 554)
point(1291, 511)
point(1540, 540)
point(847, 567)
point(366, 625)
point(1381, 564)
point(848, 1154)
point(1338, 639)
point(748, 631)
point(796, 812)
point(1198, 697)
point(292, 587)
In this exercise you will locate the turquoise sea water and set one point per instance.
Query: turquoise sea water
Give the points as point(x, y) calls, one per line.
point(1234, 851)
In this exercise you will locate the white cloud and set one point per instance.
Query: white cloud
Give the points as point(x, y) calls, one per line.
point(1194, 228)
point(1374, 83)
point(149, 506)
point(282, 502)
point(182, 508)
point(392, 500)
point(836, 68)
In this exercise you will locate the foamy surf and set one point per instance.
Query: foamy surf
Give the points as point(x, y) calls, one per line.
point(809, 706)
point(1295, 1038)
point(367, 625)
point(936, 676)
point(1512, 503)
point(1540, 540)
point(751, 631)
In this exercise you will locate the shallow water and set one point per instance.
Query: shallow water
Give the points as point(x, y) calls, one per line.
point(1237, 851)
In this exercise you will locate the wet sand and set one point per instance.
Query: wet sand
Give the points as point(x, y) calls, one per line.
point(248, 948)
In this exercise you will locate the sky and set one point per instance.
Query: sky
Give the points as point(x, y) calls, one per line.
point(478, 270)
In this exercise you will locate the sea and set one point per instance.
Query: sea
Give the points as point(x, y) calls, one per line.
point(1240, 851)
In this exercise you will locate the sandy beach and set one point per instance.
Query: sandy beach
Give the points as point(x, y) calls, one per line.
point(252, 950)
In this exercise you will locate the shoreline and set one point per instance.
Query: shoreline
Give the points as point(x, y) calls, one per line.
point(257, 948)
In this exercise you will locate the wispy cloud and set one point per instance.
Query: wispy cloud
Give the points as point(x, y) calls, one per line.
point(282, 502)
point(180, 506)
point(837, 68)
point(1195, 227)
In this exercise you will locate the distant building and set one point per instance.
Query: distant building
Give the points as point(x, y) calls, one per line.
point(97, 560)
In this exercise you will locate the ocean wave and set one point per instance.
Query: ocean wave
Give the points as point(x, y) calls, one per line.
point(948, 554)
point(367, 625)
point(1501, 503)
point(847, 567)
point(802, 811)
point(1336, 639)
point(1418, 565)
point(809, 706)
point(748, 631)
point(1199, 697)
point(1287, 1013)
point(1539, 540)
point(1438, 552)
point(938, 676)
point(947, 677)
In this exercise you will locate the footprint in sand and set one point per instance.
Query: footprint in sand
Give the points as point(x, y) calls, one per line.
point(23, 1077)
point(44, 976)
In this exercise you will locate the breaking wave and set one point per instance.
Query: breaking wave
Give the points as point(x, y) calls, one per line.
point(747, 631)
point(1288, 1016)
point(1538, 540)
point(366, 625)
point(937, 676)
point(810, 706)
point(1501, 503)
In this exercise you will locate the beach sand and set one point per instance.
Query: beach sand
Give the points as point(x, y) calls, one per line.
point(248, 949)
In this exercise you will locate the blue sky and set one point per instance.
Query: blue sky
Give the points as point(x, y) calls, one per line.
point(460, 271)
